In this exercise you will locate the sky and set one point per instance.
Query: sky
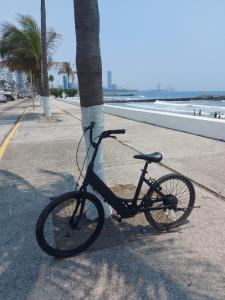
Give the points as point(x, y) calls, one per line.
point(179, 43)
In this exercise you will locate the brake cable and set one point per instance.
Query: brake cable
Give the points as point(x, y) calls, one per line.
point(85, 158)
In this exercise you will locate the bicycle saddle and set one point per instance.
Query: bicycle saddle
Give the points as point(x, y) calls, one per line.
point(153, 157)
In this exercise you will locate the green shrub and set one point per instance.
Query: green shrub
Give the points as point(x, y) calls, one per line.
point(57, 92)
point(71, 92)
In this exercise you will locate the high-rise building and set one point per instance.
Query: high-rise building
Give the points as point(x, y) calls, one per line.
point(19, 79)
point(7, 77)
point(5, 74)
point(158, 87)
point(109, 80)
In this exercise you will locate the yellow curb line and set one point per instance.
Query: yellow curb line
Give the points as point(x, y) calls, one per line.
point(11, 134)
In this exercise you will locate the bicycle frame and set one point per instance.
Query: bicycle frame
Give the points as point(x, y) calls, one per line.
point(124, 207)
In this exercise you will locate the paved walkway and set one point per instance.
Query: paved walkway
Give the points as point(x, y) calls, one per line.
point(39, 162)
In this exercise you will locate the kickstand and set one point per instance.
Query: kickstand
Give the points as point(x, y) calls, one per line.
point(117, 218)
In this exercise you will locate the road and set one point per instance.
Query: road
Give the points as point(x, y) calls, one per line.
point(9, 114)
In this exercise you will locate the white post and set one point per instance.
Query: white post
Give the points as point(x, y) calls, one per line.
point(46, 107)
point(95, 114)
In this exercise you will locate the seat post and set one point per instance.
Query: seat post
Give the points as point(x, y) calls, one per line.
point(139, 186)
point(145, 167)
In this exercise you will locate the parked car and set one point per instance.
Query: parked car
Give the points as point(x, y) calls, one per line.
point(3, 97)
point(29, 96)
point(9, 95)
point(20, 96)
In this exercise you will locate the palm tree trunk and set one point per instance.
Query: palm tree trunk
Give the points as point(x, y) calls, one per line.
point(39, 86)
point(46, 98)
point(89, 72)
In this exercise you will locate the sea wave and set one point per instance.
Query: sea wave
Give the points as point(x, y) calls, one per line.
point(183, 111)
point(180, 108)
point(190, 105)
point(158, 102)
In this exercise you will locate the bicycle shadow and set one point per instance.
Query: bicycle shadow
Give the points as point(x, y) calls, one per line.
point(144, 268)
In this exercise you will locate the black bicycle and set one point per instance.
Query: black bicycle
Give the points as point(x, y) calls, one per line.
point(70, 223)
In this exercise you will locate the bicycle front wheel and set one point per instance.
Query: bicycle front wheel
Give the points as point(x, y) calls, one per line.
point(63, 230)
point(174, 206)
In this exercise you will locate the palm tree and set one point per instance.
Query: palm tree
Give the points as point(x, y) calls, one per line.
point(46, 94)
point(20, 47)
point(89, 71)
point(51, 79)
point(66, 68)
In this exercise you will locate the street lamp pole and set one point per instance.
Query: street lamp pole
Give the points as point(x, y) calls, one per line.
point(32, 87)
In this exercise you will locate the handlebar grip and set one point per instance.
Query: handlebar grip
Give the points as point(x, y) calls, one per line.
point(117, 131)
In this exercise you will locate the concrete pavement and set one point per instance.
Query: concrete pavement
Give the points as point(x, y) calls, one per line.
point(40, 162)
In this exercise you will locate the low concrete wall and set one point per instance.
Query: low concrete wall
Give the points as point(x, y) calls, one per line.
point(74, 101)
point(212, 128)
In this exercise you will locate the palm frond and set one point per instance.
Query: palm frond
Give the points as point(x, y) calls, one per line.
point(20, 46)
point(52, 39)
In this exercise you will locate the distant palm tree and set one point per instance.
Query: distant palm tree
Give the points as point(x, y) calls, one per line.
point(66, 68)
point(20, 47)
point(51, 79)
point(89, 72)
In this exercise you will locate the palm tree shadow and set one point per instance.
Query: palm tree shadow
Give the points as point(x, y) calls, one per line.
point(128, 261)
point(145, 269)
point(18, 250)
point(21, 203)
point(145, 256)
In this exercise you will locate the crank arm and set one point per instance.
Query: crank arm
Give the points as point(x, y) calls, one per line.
point(167, 207)
point(184, 208)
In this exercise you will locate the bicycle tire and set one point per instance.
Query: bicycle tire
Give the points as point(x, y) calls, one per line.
point(162, 182)
point(56, 221)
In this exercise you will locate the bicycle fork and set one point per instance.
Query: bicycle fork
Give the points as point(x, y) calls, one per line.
point(72, 223)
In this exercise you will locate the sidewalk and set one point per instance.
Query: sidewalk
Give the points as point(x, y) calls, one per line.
point(40, 162)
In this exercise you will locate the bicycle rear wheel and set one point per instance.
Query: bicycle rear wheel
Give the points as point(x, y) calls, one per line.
point(179, 196)
point(63, 230)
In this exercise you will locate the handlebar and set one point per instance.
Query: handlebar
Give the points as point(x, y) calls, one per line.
point(104, 134)
point(115, 131)
point(108, 133)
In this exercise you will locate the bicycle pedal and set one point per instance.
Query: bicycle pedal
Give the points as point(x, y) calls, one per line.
point(117, 218)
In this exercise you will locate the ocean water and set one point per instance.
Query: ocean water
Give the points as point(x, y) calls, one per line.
point(164, 94)
point(207, 107)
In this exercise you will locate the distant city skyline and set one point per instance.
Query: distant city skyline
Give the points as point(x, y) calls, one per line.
point(177, 43)
point(16, 80)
